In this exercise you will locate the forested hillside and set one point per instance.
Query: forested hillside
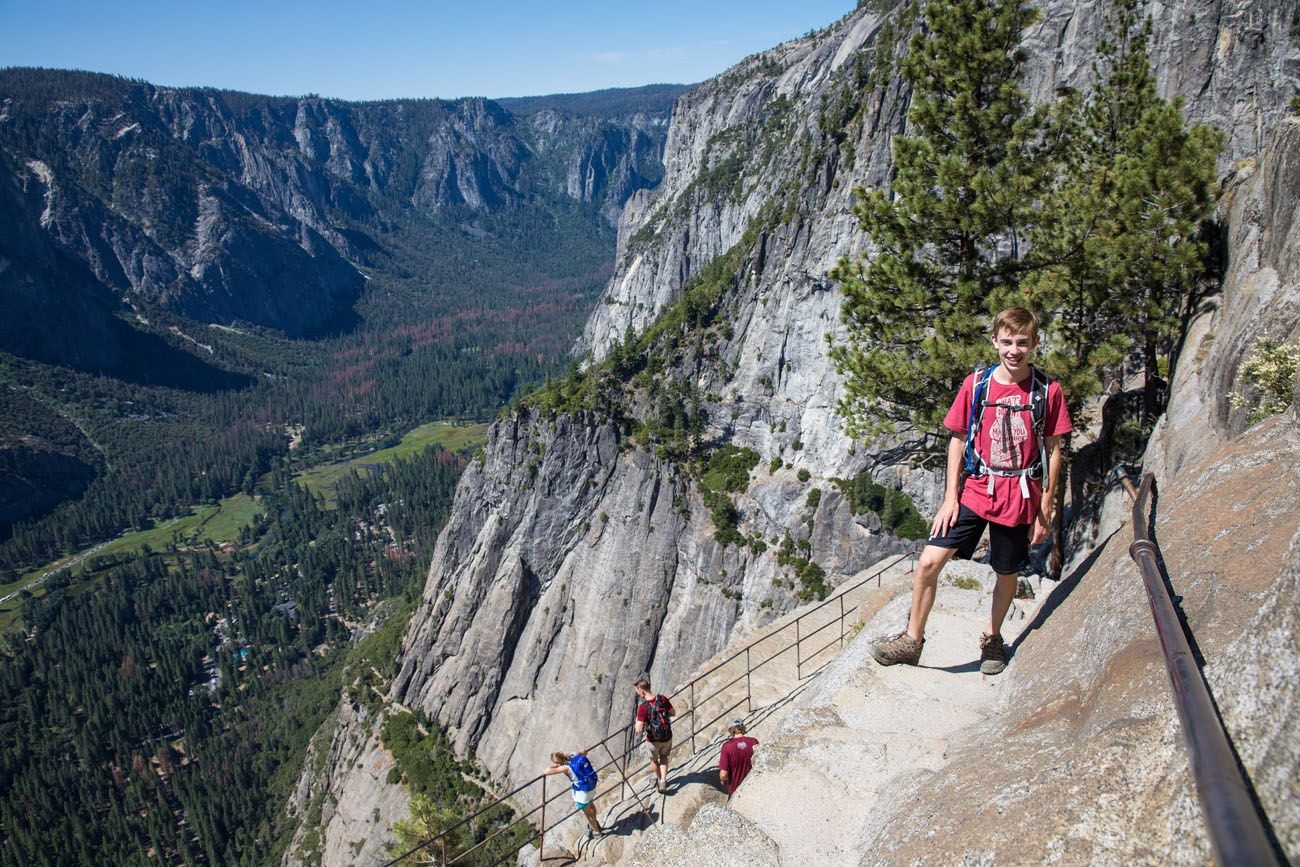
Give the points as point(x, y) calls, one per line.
point(165, 712)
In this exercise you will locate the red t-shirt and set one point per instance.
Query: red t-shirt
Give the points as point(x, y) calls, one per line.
point(1006, 441)
point(736, 759)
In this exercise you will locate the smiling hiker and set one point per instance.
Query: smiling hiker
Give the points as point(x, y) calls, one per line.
point(583, 777)
point(1006, 423)
point(654, 715)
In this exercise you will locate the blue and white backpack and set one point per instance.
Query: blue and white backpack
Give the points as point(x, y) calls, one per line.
point(584, 775)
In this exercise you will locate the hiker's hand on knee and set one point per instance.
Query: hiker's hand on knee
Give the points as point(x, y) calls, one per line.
point(945, 518)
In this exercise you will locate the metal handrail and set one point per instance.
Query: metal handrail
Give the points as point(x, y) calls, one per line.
point(627, 731)
point(1236, 831)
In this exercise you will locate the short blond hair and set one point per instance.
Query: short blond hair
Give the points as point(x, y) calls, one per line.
point(1017, 320)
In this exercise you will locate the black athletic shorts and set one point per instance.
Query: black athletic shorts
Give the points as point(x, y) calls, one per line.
point(1008, 546)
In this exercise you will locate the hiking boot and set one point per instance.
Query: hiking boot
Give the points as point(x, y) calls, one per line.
point(590, 834)
point(993, 657)
point(901, 648)
point(662, 787)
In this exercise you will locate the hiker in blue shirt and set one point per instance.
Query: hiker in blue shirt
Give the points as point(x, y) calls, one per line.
point(583, 776)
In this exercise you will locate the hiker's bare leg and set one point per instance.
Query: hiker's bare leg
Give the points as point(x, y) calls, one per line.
point(924, 582)
point(590, 812)
point(1003, 592)
point(656, 770)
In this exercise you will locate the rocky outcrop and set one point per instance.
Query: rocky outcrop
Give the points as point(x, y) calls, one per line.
point(574, 566)
point(227, 207)
point(344, 804)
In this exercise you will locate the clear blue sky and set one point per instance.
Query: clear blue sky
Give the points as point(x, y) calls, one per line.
point(403, 48)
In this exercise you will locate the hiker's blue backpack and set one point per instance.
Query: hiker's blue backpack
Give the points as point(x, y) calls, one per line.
point(584, 775)
point(973, 462)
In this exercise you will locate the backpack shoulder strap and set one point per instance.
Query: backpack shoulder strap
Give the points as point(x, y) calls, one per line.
point(1038, 392)
point(979, 388)
point(1038, 395)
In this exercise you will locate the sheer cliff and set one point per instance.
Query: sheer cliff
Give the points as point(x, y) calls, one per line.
point(580, 552)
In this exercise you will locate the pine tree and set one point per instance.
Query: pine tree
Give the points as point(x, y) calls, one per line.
point(428, 820)
point(1121, 233)
point(949, 242)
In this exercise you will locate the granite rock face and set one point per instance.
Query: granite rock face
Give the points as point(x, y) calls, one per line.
point(575, 558)
point(344, 805)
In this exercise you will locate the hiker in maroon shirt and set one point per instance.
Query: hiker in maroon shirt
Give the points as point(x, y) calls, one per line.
point(654, 717)
point(737, 755)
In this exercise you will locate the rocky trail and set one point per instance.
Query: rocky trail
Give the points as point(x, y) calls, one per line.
point(833, 741)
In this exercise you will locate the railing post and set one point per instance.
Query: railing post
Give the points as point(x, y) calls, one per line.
point(749, 695)
point(625, 782)
point(629, 746)
point(841, 621)
point(693, 717)
point(798, 652)
point(442, 852)
point(541, 834)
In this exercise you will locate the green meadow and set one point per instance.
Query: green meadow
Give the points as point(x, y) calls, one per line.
point(219, 523)
point(323, 480)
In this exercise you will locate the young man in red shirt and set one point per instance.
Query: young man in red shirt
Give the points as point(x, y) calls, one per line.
point(736, 758)
point(996, 479)
point(654, 716)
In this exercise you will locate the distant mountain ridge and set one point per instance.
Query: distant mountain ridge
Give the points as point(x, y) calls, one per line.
point(231, 208)
point(651, 99)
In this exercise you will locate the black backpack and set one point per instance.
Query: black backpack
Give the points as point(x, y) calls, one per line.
point(657, 725)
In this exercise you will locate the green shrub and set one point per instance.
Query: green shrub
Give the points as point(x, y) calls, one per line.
point(804, 475)
point(1270, 371)
point(728, 469)
point(812, 583)
point(724, 517)
point(898, 515)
